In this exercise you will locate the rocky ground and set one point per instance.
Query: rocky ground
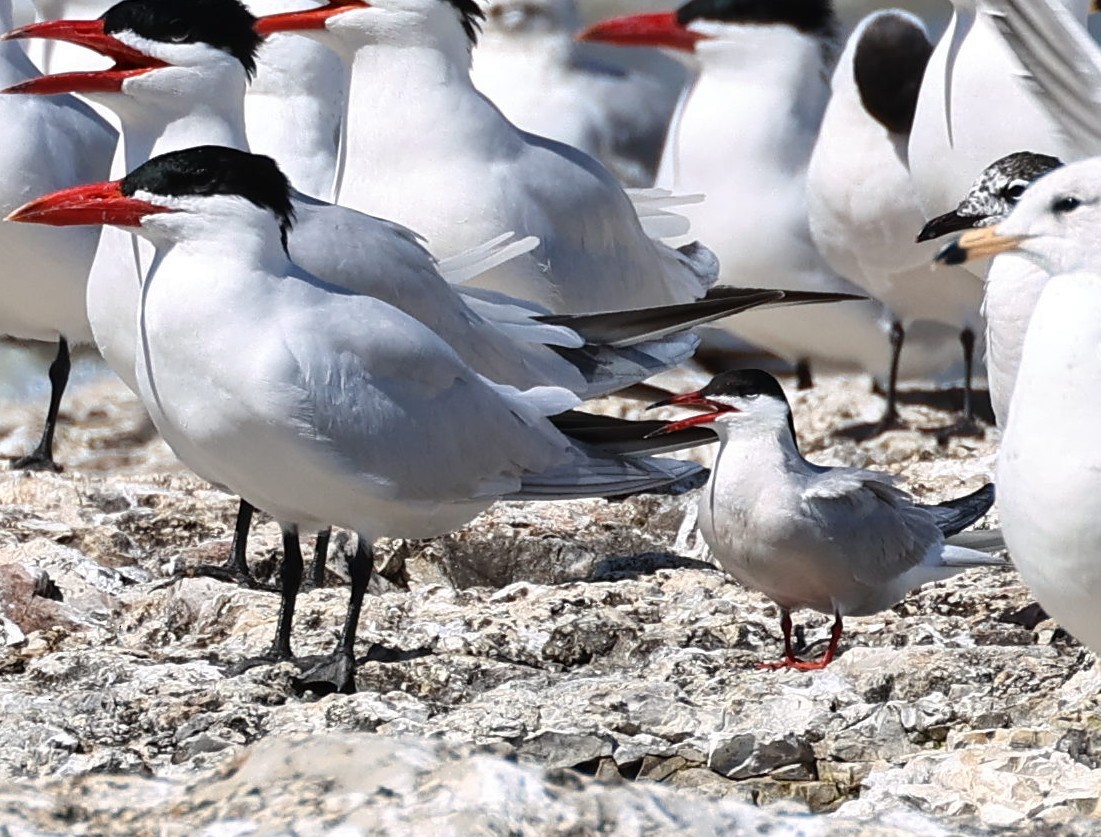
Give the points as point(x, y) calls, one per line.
point(564, 669)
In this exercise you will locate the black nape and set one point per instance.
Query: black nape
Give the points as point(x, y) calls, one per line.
point(810, 16)
point(888, 67)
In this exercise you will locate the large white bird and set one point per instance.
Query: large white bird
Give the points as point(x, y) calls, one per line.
point(975, 107)
point(319, 406)
point(476, 174)
point(862, 207)
point(1049, 464)
point(1013, 283)
point(529, 65)
point(48, 144)
point(743, 137)
point(843, 541)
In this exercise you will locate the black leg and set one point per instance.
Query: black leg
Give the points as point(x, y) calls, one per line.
point(42, 457)
point(889, 420)
point(967, 425)
point(337, 672)
point(238, 562)
point(291, 577)
point(803, 377)
point(320, 556)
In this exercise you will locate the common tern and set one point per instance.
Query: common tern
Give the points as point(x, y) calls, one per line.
point(862, 206)
point(743, 137)
point(1013, 283)
point(319, 406)
point(1049, 462)
point(843, 541)
point(529, 65)
point(48, 144)
point(476, 174)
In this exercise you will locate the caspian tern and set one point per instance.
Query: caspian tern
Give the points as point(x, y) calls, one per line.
point(975, 107)
point(743, 137)
point(861, 203)
point(529, 66)
point(319, 406)
point(180, 82)
point(1049, 464)
point(476, 174)
point(48, 144)
point(1013, 282)
point(843, 541)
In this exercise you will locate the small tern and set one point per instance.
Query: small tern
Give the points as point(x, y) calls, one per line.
point(843, 541)
point(1049, 464)
point(1013, 283)
point(319, 406)
point(862, 206)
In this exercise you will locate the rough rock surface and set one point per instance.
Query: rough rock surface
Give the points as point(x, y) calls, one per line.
point(559, 668)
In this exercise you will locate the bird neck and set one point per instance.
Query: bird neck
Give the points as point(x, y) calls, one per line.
point(147, 131)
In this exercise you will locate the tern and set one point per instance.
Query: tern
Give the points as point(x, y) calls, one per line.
point(48, 144)
point(1013, 283)
point(743, 137)
point(529, 66)
point(319, 406)
point(975, 107)
point(862, 206)
point(843, 541)
point(185, 69)
point(1049, 462)
point(476, 174)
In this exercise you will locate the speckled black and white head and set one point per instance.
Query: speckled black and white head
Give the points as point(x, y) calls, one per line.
point(348, 25)
point(749, 398)
point(888, 67)
point(993, 195)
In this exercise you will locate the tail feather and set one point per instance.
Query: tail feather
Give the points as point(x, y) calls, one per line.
point(608, 370)
point(986, 540)
point(953, 516)
point(462, 267)
point(625, 328)
point(595, 476)
point(626, 437)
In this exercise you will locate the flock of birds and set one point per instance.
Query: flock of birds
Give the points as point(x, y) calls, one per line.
point(192, 181)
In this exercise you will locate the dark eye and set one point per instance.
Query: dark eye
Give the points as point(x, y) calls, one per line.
point(751, 395)
point(1062, 206)
point(1014, 191)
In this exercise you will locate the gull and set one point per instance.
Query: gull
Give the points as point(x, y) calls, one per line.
point(1049, 464)
point(743, 137)
point(48, 144)
point(316, 405)
point(1013, 283)
point(843, 541)
point(544, 82)
point(862, 206)
point(476, 174)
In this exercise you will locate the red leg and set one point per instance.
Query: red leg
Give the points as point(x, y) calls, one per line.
point(791, 661)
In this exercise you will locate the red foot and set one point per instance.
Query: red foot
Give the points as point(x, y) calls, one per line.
point(795, 663)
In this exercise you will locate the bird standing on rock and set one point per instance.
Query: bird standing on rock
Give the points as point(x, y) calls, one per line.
point(843, 541)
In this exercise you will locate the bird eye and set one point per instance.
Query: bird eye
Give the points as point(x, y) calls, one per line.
point(752, 396)
point(1062, 206)
point(1014, 190)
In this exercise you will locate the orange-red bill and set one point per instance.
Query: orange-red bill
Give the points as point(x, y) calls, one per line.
point(89, 34)
point(691, 399)
point(660, 29)
point(305, 19)
point(92, 203)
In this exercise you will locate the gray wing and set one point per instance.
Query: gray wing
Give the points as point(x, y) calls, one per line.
point(1061, 60)
point(879, 529)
